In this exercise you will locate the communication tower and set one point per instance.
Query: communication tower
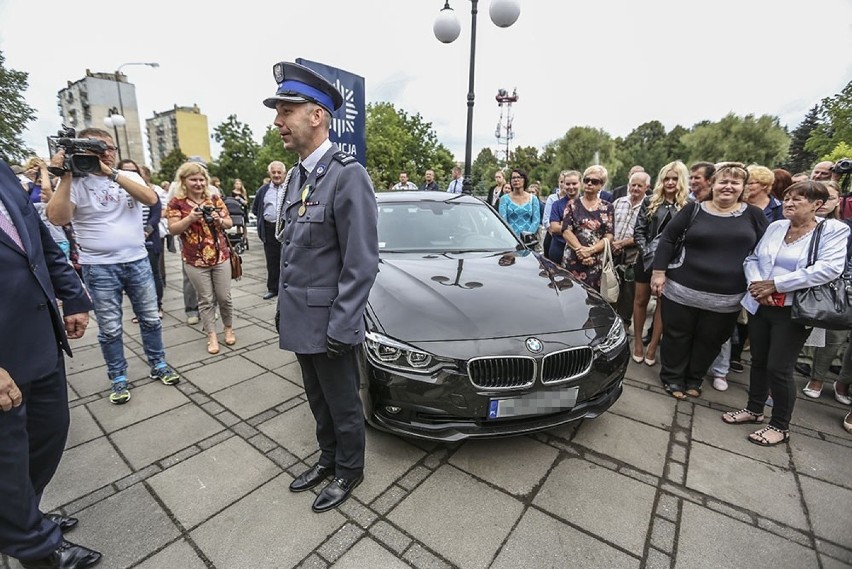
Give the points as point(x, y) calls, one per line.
point(504, 132)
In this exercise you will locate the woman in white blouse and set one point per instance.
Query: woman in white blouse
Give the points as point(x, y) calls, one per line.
point(776, 269)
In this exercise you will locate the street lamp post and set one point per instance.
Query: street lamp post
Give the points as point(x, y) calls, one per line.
point(446, 28)
point(115, 120)
point(121, 104)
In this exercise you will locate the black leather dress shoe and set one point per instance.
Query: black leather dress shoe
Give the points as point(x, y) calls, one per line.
point(311, 477)
point(337, 492)
point(269, 295)
point(65, 523)
point(67, 556)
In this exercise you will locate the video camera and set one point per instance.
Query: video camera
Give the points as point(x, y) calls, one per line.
point(77, 152)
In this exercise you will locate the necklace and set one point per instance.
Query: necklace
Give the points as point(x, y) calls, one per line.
point(795, 233)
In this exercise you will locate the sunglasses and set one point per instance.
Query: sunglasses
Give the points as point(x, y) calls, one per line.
point(593, 181)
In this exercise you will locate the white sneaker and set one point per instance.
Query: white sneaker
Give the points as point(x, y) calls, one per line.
point(192, 320)
point(720, 383)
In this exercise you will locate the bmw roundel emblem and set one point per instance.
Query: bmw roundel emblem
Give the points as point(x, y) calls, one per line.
point(534, 345)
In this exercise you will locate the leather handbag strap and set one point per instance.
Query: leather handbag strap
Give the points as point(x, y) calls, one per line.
point(813, 249)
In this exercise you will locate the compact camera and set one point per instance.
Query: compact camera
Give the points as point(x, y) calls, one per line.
point(78, 152)
point(207, 213)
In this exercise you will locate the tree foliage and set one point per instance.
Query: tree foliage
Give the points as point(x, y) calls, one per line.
point(748, 139)
point(271, 149)
point(15, 113)
point(576, 150)
point(169, 165)
point(239, 156)
point(398, 142)
point(799, 158)
point(835, 123)
point(484, 166)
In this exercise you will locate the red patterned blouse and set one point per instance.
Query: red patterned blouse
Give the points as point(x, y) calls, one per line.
point(198, 247)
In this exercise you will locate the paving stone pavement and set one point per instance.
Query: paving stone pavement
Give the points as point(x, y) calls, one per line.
point(195, 476)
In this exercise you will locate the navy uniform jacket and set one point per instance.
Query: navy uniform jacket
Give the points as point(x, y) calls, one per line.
point(33, 330)
point(329, 256)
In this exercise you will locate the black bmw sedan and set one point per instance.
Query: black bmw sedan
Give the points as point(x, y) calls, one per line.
point(471, 334)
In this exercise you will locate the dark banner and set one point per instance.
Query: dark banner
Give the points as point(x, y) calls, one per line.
point(348, 123)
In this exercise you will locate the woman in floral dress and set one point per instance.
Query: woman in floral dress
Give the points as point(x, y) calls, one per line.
point(588, 221)
point(201, 220)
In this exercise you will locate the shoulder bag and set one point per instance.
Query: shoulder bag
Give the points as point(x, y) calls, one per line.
point(824, 306)
point(236, 263)
point(609, 278)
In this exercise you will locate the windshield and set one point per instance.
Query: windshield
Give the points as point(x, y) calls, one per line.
point(441, 227)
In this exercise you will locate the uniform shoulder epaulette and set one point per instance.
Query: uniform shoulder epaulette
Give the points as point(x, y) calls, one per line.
point(344, 158)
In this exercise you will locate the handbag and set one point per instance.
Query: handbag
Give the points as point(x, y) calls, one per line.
point(827, 305)
point(236, 263)
point(609, 278)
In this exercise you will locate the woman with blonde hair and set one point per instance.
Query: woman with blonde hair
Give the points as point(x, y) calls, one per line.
point(669, 196)
point(201, 220)
point(759, 192)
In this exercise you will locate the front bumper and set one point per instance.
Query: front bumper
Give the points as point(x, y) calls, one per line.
point(448, 407)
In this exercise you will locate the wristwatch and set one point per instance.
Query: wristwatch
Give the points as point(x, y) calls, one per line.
point(114, 176)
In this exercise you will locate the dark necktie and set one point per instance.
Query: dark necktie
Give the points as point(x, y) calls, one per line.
point(303, 176)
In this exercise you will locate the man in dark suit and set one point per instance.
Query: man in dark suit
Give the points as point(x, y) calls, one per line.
point(327, 223)
point(264, 209)
point(33, 395)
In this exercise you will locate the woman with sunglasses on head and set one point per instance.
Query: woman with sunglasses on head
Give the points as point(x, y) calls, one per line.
point(780, 265)
point(520, 208)
point(588, 220)
point(701, 280)
point(670, 195)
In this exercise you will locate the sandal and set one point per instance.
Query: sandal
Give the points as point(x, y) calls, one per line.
point(759, 437)
point(230, 338)
point(694, 392)
point(676, 391)
point(212, 344)
point(741, 416)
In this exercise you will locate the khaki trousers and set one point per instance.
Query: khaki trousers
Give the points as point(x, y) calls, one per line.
point(212, 283)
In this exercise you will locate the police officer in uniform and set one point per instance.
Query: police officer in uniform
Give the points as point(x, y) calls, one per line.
point(329, 259)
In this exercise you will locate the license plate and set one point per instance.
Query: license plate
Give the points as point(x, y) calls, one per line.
point(539, 403)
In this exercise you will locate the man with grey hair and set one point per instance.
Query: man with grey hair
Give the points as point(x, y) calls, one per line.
point(621, 191)
point(265, 209)
point(823, 171)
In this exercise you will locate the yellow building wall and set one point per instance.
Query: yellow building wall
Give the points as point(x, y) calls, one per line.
point(193, 134)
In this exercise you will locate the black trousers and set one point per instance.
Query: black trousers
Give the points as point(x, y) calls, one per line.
point(332, 390)
point(692, 338)
point(775, 344)
point(32, 438)
point(156, 260)
point(272, 251)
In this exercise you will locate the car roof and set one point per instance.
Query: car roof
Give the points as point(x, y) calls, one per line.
point(420, 196)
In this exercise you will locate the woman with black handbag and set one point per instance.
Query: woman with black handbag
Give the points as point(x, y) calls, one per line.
point(794, 254)
point(698, 271)
point(669, 196)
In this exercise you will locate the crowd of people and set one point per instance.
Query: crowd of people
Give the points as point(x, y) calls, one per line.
point(723, 248)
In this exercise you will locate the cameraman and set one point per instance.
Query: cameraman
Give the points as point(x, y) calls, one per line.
point(201, 219)
point(105, 209)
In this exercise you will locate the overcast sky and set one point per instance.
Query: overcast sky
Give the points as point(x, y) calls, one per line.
point(610, 64)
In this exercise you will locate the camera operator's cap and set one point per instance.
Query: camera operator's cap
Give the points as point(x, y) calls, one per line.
point(298, 84)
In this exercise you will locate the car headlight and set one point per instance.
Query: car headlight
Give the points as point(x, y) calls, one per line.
point(392, 353)
point(616, 336)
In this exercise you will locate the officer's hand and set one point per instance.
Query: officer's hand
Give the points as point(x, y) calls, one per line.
point(278, 321)
point(10, 395)
point(75, 325)
point(335, 349)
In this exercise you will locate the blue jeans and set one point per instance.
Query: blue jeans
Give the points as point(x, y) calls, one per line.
point(106, 284)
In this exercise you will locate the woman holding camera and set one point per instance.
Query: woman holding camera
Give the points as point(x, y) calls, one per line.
point(201, 219)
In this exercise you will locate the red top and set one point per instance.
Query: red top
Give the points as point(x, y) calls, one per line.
point(198, 248)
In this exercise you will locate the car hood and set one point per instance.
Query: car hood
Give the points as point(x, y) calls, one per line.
point(439, 297)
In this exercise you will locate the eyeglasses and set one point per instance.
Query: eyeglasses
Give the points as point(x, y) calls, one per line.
point(111, 148)
point(593, 181)
point(129, 170)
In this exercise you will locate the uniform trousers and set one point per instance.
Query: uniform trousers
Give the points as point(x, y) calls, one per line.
point(332, 387)
point(32, 438)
